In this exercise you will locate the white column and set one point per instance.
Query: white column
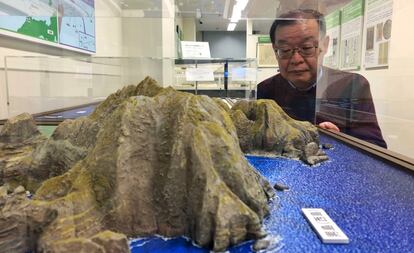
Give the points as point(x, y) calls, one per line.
point(189, 29)
point(168, 42)
point(251, 40)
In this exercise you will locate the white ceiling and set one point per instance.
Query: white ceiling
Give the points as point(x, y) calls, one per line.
point(215, 14)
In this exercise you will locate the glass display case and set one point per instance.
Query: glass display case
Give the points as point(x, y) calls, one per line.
point(38, 84)
point(169, 173)
point(234, 78)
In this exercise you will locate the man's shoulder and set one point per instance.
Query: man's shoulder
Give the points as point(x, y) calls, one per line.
point(271, 81)
point(340, 75)
point(267, 88)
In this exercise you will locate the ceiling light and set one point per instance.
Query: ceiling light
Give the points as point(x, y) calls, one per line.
point(231, 26)
point(237, 10)
point(235, 17)
point(242, 4)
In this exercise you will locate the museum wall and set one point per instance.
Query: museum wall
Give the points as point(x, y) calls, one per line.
point(392, 88)
point(189, 26)
point(53, 79)
point(37, 85)
point(152, 38)
point(251, 52)
point(225, 44)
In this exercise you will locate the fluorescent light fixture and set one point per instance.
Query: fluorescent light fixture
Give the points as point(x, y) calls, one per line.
point(237, 10)
point(242, 4)
point(231, 26)
point(235, 18)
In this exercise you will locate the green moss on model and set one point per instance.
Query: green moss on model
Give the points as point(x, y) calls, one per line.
point(148, 161)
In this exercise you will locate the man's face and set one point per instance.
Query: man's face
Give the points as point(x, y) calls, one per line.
point(301, 71)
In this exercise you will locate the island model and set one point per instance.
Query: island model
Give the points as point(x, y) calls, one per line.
point(148, 160)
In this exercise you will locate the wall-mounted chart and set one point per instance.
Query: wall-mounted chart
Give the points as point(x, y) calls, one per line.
point(77, 24)
point(333, 31)
point(351, 35)
point(34, 18)
point(379, 22)
point(65, 22)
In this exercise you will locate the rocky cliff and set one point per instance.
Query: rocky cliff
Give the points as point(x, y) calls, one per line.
point(264, 128)
point(166, 163)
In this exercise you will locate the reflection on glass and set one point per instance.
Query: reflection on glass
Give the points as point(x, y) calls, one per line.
point(344, 101)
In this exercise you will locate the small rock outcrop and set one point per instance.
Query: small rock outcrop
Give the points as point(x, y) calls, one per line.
point(264, 128)
point(19, 138)
point(19, 129)
point(21, 223)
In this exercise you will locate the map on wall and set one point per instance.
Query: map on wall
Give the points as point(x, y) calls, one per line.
point(66, 22)
point(77, 24)
point(34, 18)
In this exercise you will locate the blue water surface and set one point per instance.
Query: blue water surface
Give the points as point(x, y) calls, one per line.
point(370, 200)
point(67, 114)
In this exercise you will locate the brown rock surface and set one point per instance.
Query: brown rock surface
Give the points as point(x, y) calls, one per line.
point(264, 128)
point(19, 138)
point(21, 222)
point(147, 161)
point(169, 164)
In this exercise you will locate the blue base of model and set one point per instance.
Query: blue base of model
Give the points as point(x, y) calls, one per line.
point(370, 200)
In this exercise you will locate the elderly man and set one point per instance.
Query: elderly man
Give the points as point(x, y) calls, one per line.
point(344, 99)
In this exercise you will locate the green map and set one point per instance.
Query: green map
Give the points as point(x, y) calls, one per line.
point(65, 22)
point(34, 18)
point(40, 29)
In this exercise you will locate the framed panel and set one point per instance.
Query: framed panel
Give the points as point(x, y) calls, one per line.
point(265, 56)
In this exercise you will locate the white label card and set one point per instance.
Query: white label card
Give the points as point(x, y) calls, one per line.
point(324, 226)
point(195, 50)
point(199, 74)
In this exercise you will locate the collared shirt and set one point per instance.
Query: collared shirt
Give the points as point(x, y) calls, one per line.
point(310, 87)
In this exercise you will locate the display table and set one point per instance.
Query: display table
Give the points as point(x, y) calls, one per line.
point(369, 199)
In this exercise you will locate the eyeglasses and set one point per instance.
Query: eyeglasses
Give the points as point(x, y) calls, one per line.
point(287, 53)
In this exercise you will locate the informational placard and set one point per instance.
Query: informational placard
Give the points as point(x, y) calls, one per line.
point(333, 31)
point(195, 50)
point(351, 35)
point(77, 24)
point(379, 22)
point(61, 22)
point(34, 18)
point(266, 56)
point(199, 74)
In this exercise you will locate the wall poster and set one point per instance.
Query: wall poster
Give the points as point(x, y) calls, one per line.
point(66, 22)
point(333, 30)
point(379, 22)
point(265, 54)
point(77, 24)
point(266, 57)
point(33, 18)
point(351, 35)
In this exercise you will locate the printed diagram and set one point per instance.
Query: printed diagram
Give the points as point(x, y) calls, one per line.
point(265, 55)
point(77, 24)
point(34, 18)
